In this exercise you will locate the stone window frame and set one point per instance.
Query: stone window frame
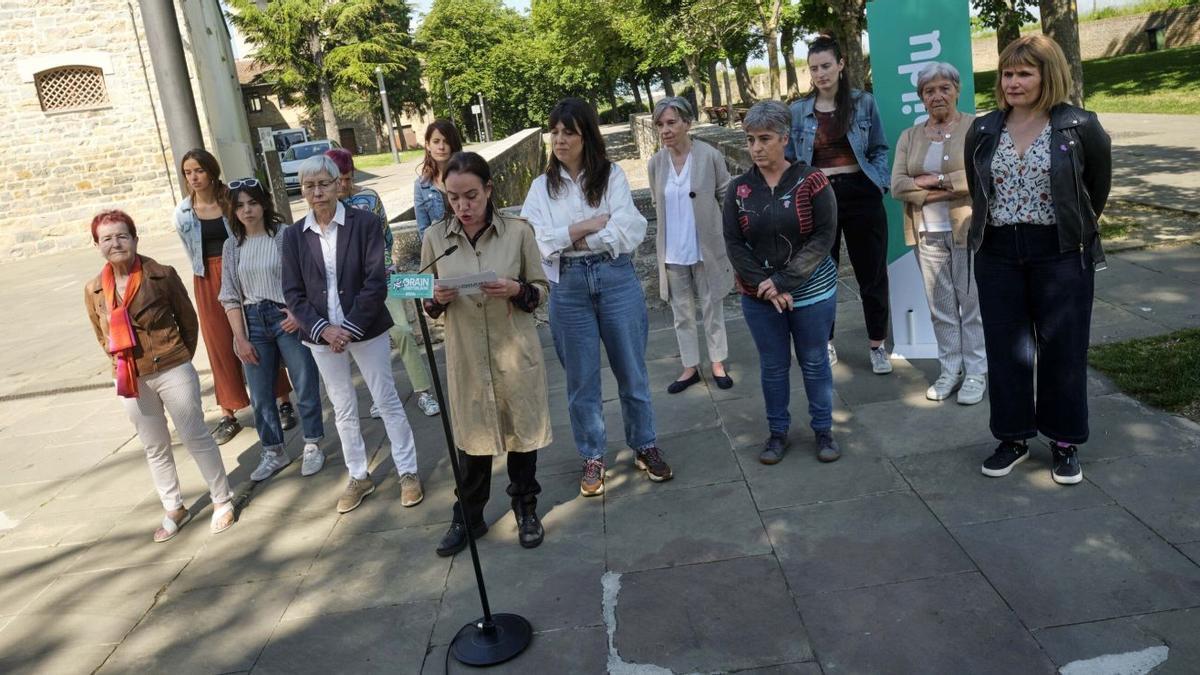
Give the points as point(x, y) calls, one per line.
point(33, 71)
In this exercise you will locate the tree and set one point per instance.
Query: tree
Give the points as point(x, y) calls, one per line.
point(770, 13)
point(1005, 17)
point(1060, 22)
point(845, 20)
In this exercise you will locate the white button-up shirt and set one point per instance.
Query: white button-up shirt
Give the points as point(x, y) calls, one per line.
point(328, 238)
point(552, 218)
point(682, 242)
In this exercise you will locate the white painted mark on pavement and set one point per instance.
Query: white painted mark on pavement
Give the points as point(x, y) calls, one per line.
point(611, 582)
point(1130, 663)
point(7, 523)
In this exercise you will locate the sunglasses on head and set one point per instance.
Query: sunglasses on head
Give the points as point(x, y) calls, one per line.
point(244, 182)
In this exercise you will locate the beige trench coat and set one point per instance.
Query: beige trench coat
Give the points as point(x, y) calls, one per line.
point(494, 367)
point(709, 178)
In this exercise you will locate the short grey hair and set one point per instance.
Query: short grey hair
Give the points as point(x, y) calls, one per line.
point(938, 70)
point(769, 116)
point(679, 103)
point(315, 165)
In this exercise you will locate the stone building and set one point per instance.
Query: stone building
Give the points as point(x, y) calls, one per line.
point(83, 128)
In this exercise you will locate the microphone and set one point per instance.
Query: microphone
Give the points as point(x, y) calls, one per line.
point(445, 253)
point(692, 195)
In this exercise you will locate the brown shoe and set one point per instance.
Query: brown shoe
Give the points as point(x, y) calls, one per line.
point(356, 490)
point(410, 490)
point(650, 460)
point(592, 483)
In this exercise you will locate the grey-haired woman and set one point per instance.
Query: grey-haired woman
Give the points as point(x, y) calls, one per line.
point(687, 184)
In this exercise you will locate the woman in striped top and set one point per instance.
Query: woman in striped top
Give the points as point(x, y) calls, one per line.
point(779, 222)
point(264, 331)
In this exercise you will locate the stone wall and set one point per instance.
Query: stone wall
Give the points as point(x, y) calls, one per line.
point(1113, 37)
point(730, 141)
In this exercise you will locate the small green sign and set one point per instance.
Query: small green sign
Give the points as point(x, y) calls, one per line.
point(410, 286)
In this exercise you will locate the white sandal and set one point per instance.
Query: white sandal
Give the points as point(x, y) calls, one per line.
point(171, 527)
point(219, 513)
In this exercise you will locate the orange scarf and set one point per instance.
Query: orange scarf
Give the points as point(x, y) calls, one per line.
point(121, 336)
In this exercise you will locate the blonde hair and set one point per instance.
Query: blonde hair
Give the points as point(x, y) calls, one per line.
point(1044, 54)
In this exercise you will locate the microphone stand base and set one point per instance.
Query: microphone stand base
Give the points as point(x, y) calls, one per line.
point(481, 644)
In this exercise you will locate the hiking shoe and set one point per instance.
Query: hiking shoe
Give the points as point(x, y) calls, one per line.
point(945, 385)
point(411, 493)
point(356, 491)
point(226, 430)
point(1066, 469)
point(455, 538)
point(650, 460)
point(972, 389)
point(881, 362)
point(428, 404)
point(592, 482)
point(774, 449)
point(313, 460)
point(827, 448)
point(832, 351)
point(272, 461)
point(1006, 455)
point(287, 415)
point(530, 532)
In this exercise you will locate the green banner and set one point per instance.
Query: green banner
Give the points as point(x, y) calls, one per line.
point(410, 286)
point(904, 37)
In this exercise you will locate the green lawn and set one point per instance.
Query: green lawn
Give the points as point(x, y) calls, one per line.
point(364, 162)
point(1162, 371)
point(1154, 82)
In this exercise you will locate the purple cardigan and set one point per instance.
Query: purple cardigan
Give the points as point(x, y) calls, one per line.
point(361, 277)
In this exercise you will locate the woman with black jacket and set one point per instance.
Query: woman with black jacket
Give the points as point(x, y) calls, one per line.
point(1039, 171)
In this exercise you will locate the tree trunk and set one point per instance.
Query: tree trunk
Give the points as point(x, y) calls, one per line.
point(1009, 27)
point(649, 94)
point(668, 86)
point(744, 84)
point(612, 103)
point(769, 12)
point(699, 95)
point(772, 63)
point(714, 85)
point(324, 90)
point(787, 39)
point(728, 91)
point(1060, 22)
point(848, 27)
point(637, 93)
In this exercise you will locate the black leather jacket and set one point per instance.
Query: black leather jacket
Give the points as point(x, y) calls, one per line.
point(1080, 177)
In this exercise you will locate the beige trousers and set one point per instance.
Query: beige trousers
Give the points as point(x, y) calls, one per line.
point(685, 285)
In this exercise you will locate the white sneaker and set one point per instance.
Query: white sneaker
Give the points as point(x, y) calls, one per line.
point(375, 411)
point(832, 351)
point(945, 385)
point(972, 389)
point(271, 462)
point(881, 362)
point(314, 459)
point(428, 404)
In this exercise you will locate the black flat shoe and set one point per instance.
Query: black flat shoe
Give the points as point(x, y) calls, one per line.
point(723, 381)
point(455, 539)
point(287, 416)
point(679, 385)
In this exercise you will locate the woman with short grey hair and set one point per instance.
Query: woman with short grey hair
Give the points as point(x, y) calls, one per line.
point(930, 180)
point(334, 283)
point(687, 183)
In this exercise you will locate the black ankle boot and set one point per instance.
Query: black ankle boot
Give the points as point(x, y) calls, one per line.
point(455, 538)
point(529, 527)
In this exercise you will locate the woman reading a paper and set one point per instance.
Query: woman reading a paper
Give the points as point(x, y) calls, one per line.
point(498, 403)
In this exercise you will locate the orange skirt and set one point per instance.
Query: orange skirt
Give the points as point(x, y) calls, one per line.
point(228, 379)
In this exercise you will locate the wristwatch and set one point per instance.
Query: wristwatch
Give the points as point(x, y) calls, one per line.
point(941, 181)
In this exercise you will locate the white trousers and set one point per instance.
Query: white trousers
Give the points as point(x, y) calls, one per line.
point(175, 391)
point(685, 285)
point(374, 360)
point(953, 304)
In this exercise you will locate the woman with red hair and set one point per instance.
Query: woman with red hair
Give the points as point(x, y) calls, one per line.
point(145, 323)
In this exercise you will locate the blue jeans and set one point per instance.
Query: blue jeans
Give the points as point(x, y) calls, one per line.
point(272, 343)
point(775, 333)
point(598, 299)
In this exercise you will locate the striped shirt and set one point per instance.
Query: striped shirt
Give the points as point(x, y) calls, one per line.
point(820, 286)
point(260, 270)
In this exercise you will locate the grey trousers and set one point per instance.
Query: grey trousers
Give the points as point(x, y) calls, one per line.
point(687, 284)
point(953, 304)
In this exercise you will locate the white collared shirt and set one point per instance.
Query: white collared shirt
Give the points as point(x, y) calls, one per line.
point(328, 239)
point(552, 218)
point(682, 242)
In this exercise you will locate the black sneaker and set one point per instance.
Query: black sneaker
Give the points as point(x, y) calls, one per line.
point(651, 461)
point(287, 415)
point(1006, 455)
point(226, 430)
point(455, 538)
point(827, 448)
point(1066, 469)
point(774, 449)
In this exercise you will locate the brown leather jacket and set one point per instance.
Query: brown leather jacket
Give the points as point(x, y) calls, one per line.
point(163, 319)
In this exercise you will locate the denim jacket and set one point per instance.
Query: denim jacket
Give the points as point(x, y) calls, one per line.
point(865, 135)
point(188, 227)
point(429, 204)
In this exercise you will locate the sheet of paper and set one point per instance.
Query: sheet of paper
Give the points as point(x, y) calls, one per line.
point(468, 285)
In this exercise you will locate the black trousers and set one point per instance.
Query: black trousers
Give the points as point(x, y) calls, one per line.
point(1036, 307)
point(523, 487)
point(862, 220)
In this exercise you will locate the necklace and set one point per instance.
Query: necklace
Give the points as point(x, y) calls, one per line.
point(941, 131)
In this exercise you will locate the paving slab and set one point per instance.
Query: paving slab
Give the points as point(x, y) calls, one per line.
point(951, 624)
point(1191, 550)
point(801, 479)
point(862, 542)
point(744, 421)
point(578, 650)
point(1159, 491)
point(857, 385)
point(917, 425)
point(376, 640)
point(261, 551)
point(697, 458)
point(1084, 565)
point(661, 529)
point(803, 668)
point(54, 656)
point(26, 574)
point(1122, 427)
point(1176, 630)
point(716, 612)
point(953, 487)
point(1166, 298)
point(129, 542)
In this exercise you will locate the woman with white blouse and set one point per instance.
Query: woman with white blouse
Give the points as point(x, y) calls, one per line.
point(587, 227)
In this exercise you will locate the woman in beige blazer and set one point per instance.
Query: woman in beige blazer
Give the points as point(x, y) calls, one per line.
point(687, 183)
point(494, 366)
point(929, 178)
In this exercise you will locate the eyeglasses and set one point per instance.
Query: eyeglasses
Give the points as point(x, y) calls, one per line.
point(323, 184)
point(244, 182)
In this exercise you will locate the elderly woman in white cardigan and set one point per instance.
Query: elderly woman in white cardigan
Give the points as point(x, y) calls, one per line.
point(687, 183)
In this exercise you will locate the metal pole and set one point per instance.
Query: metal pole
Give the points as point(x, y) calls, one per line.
point(387, 114)
point(487, 123)
point(450, 103)
point(171, 77)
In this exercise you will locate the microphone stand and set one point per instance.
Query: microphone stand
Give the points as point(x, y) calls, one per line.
point(493, 638)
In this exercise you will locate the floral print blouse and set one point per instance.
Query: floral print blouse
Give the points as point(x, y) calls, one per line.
point(1022, 184)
